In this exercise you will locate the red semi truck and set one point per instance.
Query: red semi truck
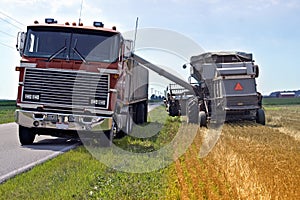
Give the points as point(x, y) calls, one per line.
point(78, 78)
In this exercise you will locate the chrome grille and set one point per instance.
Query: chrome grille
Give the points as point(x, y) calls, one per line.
point(66, 88)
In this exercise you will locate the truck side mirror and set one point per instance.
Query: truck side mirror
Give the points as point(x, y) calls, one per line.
point(127, 51)
point(21, 42)
point(256, 70)
point(190, 79)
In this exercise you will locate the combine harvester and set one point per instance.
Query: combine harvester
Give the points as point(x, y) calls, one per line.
point(224, 89)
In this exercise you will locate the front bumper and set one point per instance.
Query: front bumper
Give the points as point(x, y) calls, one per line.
point(61, 121)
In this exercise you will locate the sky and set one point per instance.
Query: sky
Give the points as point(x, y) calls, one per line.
point(270, 29)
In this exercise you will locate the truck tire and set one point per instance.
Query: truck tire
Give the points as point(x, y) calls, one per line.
point(140, 113)
point(202, 119)
point(106, 137)
point(192, 111)
point(260, 117)
point(26, 135)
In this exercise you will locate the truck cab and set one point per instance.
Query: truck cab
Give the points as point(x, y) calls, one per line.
point(74, 78)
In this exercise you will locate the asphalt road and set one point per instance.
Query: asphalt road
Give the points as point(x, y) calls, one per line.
point(15, 159)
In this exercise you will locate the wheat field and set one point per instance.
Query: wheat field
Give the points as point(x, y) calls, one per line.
point(249, 161)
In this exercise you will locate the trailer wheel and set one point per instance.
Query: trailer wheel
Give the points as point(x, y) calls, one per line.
point(192, 111)
point(26, 135)
point(174, 109)
point(145, 112)
point(129, 124)
point(260, 117)
point(202, 119)
point(140, 113)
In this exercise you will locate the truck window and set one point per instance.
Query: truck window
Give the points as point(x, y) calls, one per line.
point(72, 44)
point(31, 43)
point(95, 47)
point(44, 44)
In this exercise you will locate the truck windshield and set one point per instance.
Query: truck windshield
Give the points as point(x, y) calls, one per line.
point(73, 44)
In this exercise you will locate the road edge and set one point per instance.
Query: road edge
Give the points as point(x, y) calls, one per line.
point(38, 162)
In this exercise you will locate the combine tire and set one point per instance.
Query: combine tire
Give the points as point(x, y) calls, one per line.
point(192, 111)
point(260, 117)
point(202, 119)
point(26, 135)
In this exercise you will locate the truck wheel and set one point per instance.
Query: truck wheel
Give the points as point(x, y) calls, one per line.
point(260, 117)
point(140, 113)
point(202, 119)
point(26, 135)
point(192, 111)
point(106, 138)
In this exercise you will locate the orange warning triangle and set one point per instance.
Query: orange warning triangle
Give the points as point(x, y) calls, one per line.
point(238, 87)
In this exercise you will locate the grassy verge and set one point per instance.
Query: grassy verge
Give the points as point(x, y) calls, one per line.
point(78, 175)
point(7, 109)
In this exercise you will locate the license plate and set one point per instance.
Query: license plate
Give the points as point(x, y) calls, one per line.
point(62, 126)
point(52, 118)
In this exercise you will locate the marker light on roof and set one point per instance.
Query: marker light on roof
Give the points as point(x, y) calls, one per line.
point(50, 21)
point(98, 24)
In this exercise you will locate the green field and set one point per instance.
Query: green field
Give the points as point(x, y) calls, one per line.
point(7, 109)
point(281, 101)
